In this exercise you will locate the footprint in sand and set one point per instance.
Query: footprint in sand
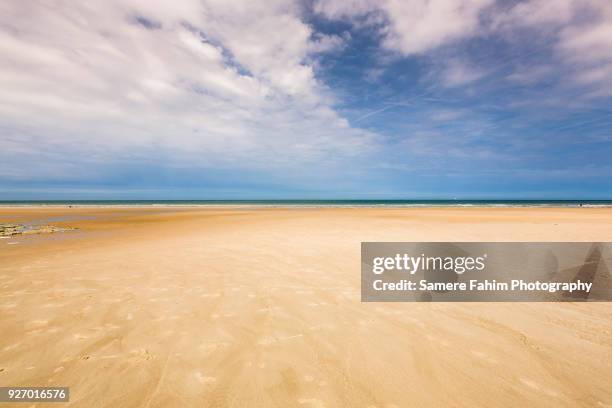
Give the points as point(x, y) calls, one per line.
point(536, 387)
point(8, 305)
point(311, 402)
point(10, 347)
point(484, 356)
point(209, 348)
point(204, 379)
point(266, 341)
point(36, 323)
point(295, 336)
point(141, 355)
point(50, 305)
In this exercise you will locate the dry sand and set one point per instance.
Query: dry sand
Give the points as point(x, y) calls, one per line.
point(253, 307)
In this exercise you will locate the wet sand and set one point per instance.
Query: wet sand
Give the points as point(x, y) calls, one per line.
point(256, 307)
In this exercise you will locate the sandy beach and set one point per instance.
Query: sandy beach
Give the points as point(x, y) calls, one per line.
point(260, 307)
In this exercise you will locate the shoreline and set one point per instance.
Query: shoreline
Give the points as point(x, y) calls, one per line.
point(309, 206)
point(315, 203)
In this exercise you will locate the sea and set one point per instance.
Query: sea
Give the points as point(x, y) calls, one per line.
point(316, 203)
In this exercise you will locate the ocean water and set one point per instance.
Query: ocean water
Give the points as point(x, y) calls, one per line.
point(321, 203)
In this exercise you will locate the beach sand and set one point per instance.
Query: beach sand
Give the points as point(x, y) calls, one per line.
point(260, 307)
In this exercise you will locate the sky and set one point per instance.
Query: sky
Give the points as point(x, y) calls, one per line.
point(236, 99)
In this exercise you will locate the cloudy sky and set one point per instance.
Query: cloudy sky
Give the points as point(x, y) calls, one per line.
point(317, 99)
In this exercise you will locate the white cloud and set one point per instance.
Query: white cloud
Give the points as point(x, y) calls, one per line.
point(420, 26)
point(536, 13)
point(328, 43)
point(208, 83)
point(588, 48)
point(414, 27)
point(530, 74)
point(337, 9)
point(580, 32)
point(457, 72)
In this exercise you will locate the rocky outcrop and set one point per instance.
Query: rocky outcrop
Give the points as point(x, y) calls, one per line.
point(8, 230)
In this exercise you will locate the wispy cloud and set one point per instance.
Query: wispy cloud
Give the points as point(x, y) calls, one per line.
point(417, 26)
point(221, 83)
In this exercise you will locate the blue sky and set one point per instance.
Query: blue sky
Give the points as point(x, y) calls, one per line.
point(319, 99)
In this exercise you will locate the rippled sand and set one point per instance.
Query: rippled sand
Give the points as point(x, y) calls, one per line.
point(165, 307)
